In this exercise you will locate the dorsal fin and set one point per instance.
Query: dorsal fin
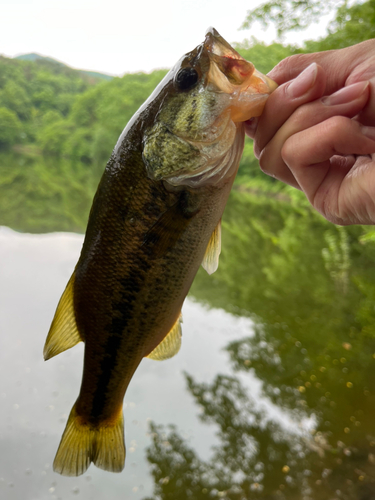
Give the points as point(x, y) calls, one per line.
point(211, 258)
point(63, 333)
point(170, 345)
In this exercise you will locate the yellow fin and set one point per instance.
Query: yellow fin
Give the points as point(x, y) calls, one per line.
point(170, 345)
point(211, 258)
point(63, 333)
point(82, 444)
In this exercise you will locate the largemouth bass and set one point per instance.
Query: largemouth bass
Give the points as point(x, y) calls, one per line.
point(155, 218)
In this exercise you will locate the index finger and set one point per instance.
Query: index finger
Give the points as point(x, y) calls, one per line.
point(343, 67)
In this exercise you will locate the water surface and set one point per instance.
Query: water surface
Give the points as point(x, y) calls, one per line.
point(36, 396)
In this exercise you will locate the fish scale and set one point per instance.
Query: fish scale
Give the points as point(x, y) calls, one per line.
point(155, 218)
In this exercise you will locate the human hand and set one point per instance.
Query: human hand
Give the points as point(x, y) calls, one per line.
point(312, 142)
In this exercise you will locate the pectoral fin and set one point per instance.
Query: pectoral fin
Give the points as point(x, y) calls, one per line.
point(63, 333)
point(170, 345)
point(211, 258)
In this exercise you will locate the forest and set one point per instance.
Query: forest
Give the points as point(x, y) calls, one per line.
point(58, 126)
point(50, 108)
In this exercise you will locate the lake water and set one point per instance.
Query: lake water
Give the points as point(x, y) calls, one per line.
point(37, 396)
point(271, 396)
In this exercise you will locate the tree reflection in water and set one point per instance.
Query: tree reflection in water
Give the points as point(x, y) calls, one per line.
point(309, 288)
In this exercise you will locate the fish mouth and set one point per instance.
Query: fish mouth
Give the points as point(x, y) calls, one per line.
point(230, 73)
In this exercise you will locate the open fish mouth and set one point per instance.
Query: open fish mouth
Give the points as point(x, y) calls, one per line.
point(230, 73)
point(199, 135)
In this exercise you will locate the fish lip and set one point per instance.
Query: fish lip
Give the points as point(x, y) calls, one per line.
point(230, 72)
point(214, 43)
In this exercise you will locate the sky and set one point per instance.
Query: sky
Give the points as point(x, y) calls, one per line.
point(115, 37)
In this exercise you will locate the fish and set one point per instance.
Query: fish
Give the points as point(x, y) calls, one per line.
point(155, 218)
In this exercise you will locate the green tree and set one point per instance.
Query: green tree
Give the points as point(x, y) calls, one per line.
point(264, 57)
point(352, 23)
point(14, 97)
point(10, 128)
point(288, 15)
point(34, 89)
point(53, 136)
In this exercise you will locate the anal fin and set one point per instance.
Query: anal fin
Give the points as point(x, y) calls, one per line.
point(63, 333)
point(211, 258)
point(170, 345)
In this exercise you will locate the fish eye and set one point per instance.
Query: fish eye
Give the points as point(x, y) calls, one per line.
point(186, 78)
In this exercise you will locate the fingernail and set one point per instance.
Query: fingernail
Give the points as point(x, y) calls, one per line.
point(303, 82)
point(368, 132)
point(346, 94)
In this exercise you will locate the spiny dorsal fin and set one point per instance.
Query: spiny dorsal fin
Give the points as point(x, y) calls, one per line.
point(170, 345)
point(63, 333)
point(211, 258)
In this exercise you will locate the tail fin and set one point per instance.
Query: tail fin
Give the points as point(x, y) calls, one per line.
point(82, 444)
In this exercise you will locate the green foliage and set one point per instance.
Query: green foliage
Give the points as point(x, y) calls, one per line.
point(53, 137)
point(264, 57)
point(31, 90)
point(352, 25)
point(102, 142)
point(106, 109)
point(44, 195)
point(249, 166)
point(10, 128)
point(289, 15)
point(249, 170)
point(15, 98)
point(65, 115)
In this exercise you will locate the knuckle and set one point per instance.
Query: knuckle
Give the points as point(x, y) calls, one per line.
point(336, 125)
